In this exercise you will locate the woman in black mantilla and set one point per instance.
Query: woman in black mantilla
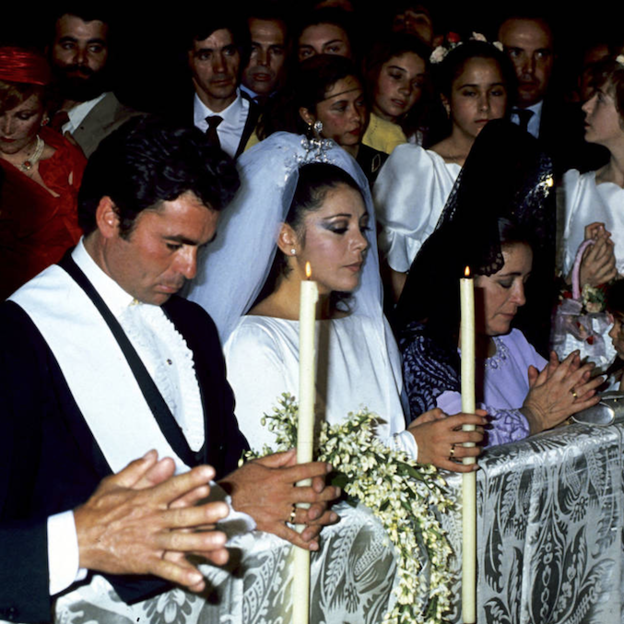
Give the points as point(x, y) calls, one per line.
point(496, 222)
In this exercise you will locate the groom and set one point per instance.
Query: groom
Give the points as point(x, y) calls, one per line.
point(101, 363)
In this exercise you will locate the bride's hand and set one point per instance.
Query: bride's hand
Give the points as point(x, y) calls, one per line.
point(440, 438)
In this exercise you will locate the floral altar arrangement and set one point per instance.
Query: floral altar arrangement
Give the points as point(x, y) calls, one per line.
point(404, 495)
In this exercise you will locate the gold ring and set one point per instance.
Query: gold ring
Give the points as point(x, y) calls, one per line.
point(293, 513)
point(452, 453)
point(573, 392)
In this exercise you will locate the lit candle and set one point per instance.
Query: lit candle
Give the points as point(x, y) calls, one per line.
point(469, 483)
point(305, 433)
point(307, 367)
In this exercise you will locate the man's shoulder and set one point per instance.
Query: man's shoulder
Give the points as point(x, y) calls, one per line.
point(105, 117)
point(184, 309)
point(111, 107)
point(14, 319)
point(193, 322)
point(254, 110)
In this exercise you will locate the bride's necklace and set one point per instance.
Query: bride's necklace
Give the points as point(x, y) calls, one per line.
point(32, 160)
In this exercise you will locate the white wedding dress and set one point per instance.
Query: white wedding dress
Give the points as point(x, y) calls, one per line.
point(356, 369)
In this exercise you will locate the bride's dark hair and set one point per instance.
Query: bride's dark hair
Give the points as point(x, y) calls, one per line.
point(314, 182)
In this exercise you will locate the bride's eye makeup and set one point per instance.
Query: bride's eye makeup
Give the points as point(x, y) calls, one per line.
point(337, 227)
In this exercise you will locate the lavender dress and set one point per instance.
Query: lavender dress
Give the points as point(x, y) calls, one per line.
point(431, 380)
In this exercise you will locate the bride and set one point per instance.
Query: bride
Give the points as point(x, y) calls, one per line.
point(287, 213)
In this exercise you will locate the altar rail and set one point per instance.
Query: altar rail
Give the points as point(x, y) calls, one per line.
point(549, 551)
point(550, 529)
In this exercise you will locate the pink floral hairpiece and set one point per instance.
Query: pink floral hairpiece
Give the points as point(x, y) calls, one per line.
point(454, 40)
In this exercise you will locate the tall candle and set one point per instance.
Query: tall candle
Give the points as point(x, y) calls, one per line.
point(305, 433)
point(469, 483)
point(307, 368)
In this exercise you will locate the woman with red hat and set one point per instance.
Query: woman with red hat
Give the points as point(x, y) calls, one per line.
point(41, 173)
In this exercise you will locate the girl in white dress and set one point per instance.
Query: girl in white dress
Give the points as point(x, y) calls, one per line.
point(594, 201)
point(594, 204)
point(414, 184)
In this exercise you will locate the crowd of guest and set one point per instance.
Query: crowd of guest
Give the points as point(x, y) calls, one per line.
point(389, 154)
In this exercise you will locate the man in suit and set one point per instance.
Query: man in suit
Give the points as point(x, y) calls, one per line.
point(264, 74)
point(79, 56)
point(101, 362)
point(217, 45)
point(530, 45)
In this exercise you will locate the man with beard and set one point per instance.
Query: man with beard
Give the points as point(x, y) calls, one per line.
point(79, 55)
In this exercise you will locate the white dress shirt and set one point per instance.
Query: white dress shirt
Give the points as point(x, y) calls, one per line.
point(78, 113)
point(230, 130)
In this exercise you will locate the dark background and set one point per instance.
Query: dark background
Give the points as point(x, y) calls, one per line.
point(148, 57)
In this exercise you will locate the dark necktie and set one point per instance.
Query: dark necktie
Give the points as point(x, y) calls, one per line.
point(213, 122)
point(524, 116)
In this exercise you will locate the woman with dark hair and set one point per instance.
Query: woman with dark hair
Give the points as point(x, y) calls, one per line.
point(474, 79)
point(291, 211)
point(397, 71)
point(522, 393)
point(38, 205)
point(325, 99)
point(327, 30)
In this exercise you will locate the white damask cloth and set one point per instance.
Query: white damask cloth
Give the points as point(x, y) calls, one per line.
point(549, 550)
point(409, 195)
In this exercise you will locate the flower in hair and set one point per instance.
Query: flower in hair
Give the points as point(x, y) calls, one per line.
point(438, 55)
point(619, 59)
point(454, 40)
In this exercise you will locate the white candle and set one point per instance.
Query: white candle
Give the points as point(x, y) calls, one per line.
point(305, 434)
point(469, 483)
point(307, 368)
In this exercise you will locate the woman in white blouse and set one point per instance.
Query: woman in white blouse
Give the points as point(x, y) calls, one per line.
point(594, 201)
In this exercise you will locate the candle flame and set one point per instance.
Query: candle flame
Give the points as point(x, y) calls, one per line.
point(467, 271)
point(308, 270)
